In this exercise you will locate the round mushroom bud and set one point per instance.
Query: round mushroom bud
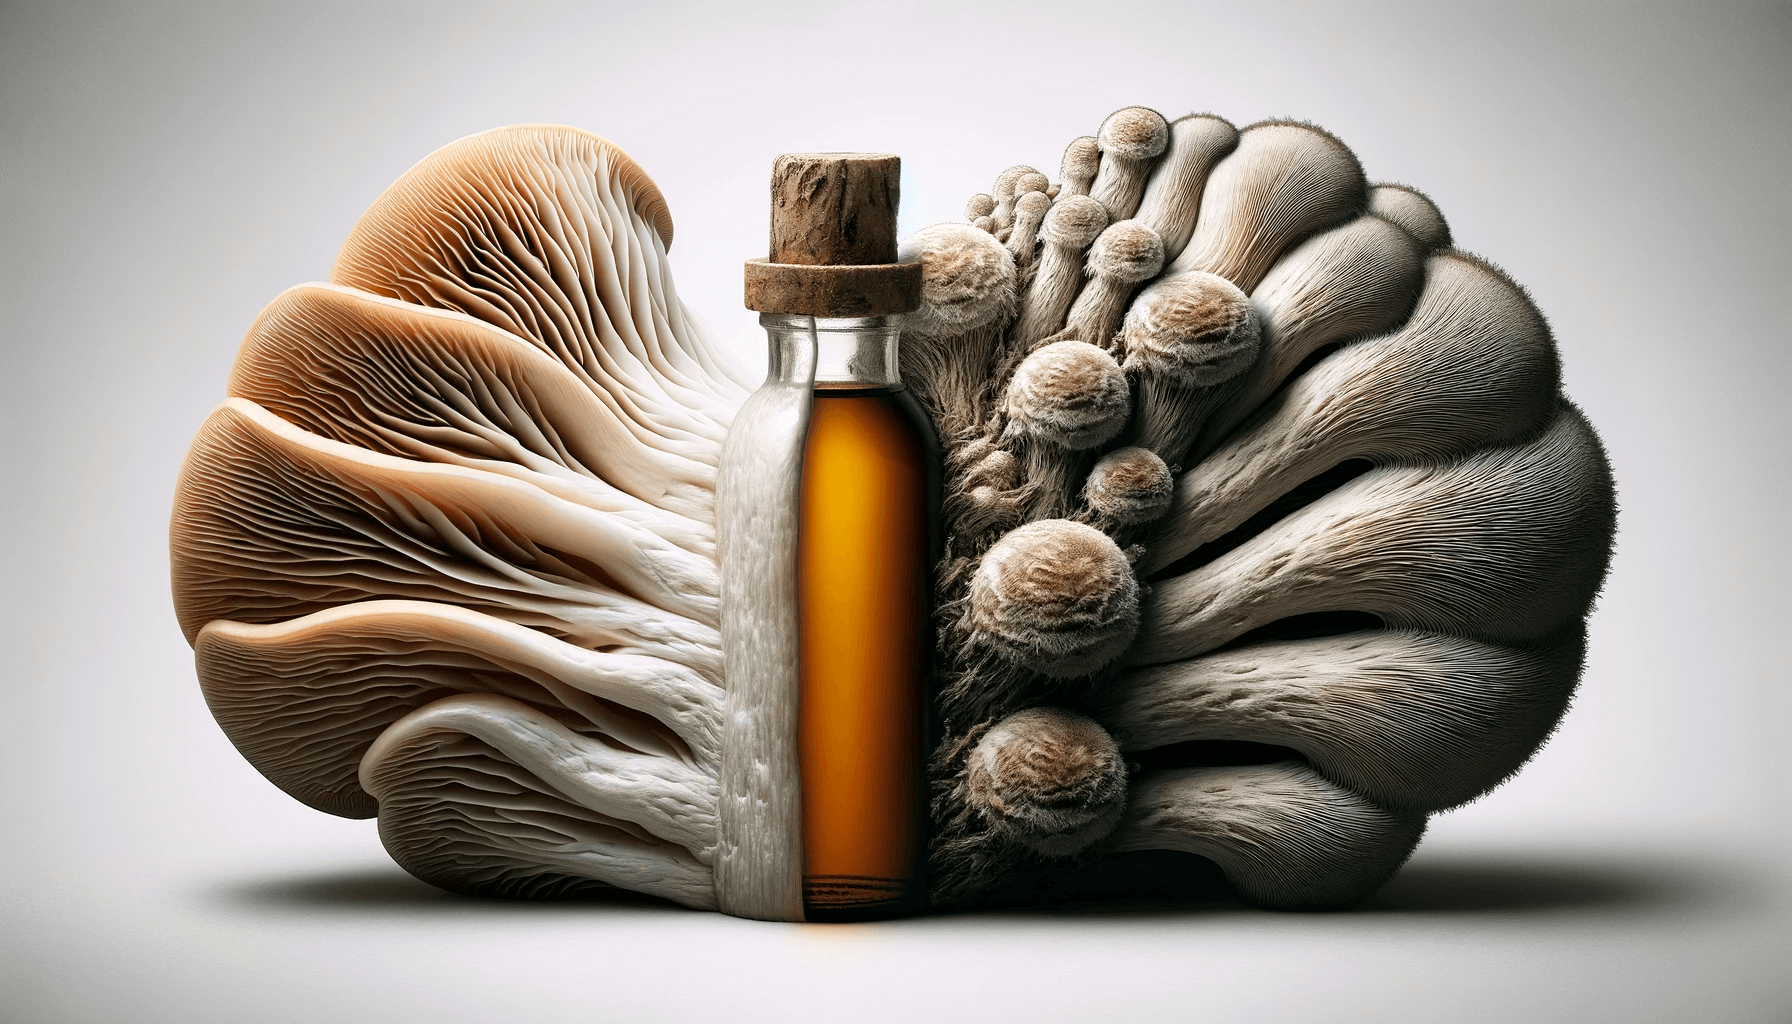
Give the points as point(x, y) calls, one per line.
point(1194, 328)
point(1077, 170)
point(981, 205)
point(1130, 139)
point(1068, 394)
point(1186, 339)
point(1055, 596)
point(967, 279)
point(1129, 486)
point(1052, 779)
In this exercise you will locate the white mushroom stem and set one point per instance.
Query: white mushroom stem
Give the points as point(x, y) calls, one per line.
point(1029, 213)
point(1005, 192)
point(303, 699)
point(1124, 255)
point(1055, 597)
point(1284, 836)
point(1082, 158)
point(1473, 366)
point(484, 794)
point(1413, 211)
point(1354, 281)
point(1064, 401)
point(968, 286)
point(1069, 226)
point(1509, 544)
point(1186, 339)
point(1050, 779)
point(1283, 182)
point(670, 800)
point(1172, 197)
point(1131, 139)
point(1414, 721)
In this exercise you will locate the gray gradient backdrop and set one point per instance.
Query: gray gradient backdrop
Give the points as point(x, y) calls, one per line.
point(167, 169)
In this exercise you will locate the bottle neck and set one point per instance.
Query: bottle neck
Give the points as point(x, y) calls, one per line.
point(843, 350)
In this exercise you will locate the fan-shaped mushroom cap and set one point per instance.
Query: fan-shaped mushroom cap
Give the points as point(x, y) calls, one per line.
point(555, 235)
point(1414, 721)
point(1283, 182)
point(1353, 281)
point(1472, 366)
point(967, 279)
point(1050, 778)
point(1129, 486)
point(1412, 210)
point(1057, 597)
point(1508, 544)
point(1069, 394)
point(303, 699)
point(1173, 193)
point(1284, 835)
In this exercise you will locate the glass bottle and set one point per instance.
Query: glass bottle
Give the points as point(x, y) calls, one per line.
point(867, 542)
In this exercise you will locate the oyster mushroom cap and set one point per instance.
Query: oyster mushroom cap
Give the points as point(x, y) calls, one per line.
point(1126, 251)
point(1070, 394)
point(1051, 778)
point(1073, 221)
point(1055, 596)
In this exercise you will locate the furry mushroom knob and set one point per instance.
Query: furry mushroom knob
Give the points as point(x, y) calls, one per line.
point(1128, 487)
point(1064, 399)
point(1005, 192)
point(1186, 339)
point(1082, 158)
point(1029, 213)
point(1124, 255)
point(1130, 139)
point(968, 285)
point(981, 205)
point(1056, 597)
point(1068, 228)
point(1051, 779)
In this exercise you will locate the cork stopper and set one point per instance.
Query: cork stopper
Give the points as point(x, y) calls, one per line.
point(833, 239)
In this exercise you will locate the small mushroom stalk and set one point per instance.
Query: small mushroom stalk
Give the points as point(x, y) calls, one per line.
point(1065, 401)
point(1125, 254)
point(1076, 172)
point(1187, 338)
point(1069, 226)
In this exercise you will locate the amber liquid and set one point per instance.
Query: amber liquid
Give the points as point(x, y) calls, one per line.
point(864, 575)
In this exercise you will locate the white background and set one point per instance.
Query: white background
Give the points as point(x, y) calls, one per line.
point(165, 170)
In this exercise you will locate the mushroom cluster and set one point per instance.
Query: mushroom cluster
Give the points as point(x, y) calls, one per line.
point(1270, 532)
point(1267, 529)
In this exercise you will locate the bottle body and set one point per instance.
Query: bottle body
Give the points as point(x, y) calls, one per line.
point(867, 541)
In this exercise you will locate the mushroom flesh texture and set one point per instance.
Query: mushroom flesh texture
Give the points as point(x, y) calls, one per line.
point(1239, 454)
